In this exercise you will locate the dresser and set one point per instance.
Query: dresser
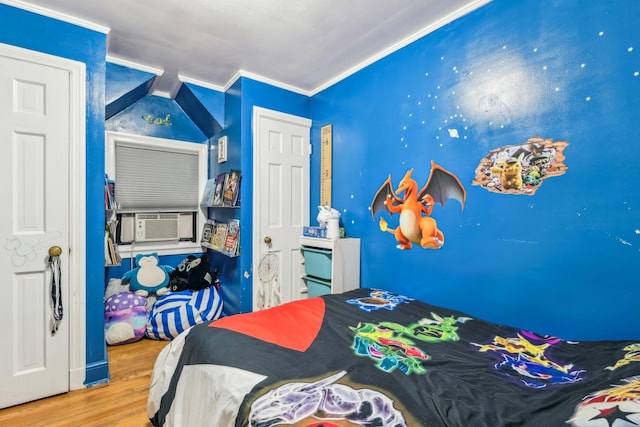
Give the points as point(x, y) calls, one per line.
point(330, 265)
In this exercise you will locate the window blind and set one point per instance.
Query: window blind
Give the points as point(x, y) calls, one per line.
point(152, 178)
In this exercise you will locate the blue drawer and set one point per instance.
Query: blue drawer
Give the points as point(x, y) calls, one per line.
point(317, 262)
point(316, 287)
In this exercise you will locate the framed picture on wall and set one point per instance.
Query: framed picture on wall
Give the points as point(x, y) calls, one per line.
point(222, 149)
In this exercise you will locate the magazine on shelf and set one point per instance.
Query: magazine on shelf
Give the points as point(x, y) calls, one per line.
point(207, 194)
point(231, 188)
point(219, 235)
point(207, 231)
point(232, 241)
point(220, 182)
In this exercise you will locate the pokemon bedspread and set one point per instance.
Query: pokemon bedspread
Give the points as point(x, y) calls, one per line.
point(371, 358)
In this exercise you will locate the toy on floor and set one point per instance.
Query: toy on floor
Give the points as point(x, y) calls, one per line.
point(193, 274)
point(125, 318)
point(148, 277)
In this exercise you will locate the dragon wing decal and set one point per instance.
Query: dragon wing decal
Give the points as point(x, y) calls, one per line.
point(442, 185)
point(379, 202)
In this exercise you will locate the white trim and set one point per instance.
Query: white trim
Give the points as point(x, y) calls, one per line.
point(57, 15)
point(256, 77)
point(259, 112)
point(76, 315)
point(397, 46)
point(130, 251)
point(201, 83)
point(161, 93)
point(130, 64)
point(78, 256)
point(232, 80)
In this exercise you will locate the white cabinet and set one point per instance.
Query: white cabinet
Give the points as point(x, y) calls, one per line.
point(330, 265)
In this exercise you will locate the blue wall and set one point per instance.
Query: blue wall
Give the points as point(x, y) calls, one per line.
point(73, 42)
point(158, 117)
point(562, 261)
point(212, 100)
point(124, 86)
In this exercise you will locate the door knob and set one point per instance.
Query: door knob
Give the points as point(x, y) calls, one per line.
point(55, 251)
point(267, 240)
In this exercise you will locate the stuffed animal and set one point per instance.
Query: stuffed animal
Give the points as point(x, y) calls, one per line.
point(148, 277)
point(193, 274)
point(178, 277)
point(325, 213)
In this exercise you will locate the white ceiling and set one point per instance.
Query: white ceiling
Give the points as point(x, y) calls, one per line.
point(303, 45)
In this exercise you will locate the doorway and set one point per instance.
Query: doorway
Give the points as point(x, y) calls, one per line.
point(281, 153)
point(42, 135)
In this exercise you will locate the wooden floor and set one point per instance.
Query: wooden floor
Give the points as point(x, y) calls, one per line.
point(121, 402)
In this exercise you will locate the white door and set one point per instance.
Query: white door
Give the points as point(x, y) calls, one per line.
point(34, 168)
point(282, 149)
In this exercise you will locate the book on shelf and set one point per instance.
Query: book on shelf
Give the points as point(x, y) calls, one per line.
point(207, 231)
point(109, 193)
point(107, 255)
point(112, 225)
point(219, 235)
point(231, 188)
point(111, 251)
point(207, 194)
point(115, 254)
point(220, 182)
point(232, 241)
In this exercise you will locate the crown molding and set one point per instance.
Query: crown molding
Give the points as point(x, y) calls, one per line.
point(57, 15)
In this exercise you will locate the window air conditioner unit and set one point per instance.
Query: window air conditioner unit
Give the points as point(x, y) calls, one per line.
point(154, 227)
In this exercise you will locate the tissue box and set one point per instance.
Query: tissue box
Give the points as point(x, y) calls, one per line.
point(314, 232)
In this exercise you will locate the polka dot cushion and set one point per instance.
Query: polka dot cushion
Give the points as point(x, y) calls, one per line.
point(125, 318)
point(176, 312)
point(123, 300)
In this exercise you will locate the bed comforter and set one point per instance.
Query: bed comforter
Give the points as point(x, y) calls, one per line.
point(372, 358)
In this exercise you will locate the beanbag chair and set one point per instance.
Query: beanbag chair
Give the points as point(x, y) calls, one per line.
point(125, 318)
point(176, 312)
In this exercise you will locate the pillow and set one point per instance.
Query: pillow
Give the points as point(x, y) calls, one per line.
point(125, 318)
point(176, 312)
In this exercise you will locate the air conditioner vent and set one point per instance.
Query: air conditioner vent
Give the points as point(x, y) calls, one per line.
point(157, 227)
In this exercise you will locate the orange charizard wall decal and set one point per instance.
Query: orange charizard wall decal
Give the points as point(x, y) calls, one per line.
point(414, 206)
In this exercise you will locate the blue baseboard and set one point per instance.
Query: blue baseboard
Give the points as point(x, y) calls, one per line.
point(97, 373)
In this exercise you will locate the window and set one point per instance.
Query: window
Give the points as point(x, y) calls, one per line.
point(155, 175)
